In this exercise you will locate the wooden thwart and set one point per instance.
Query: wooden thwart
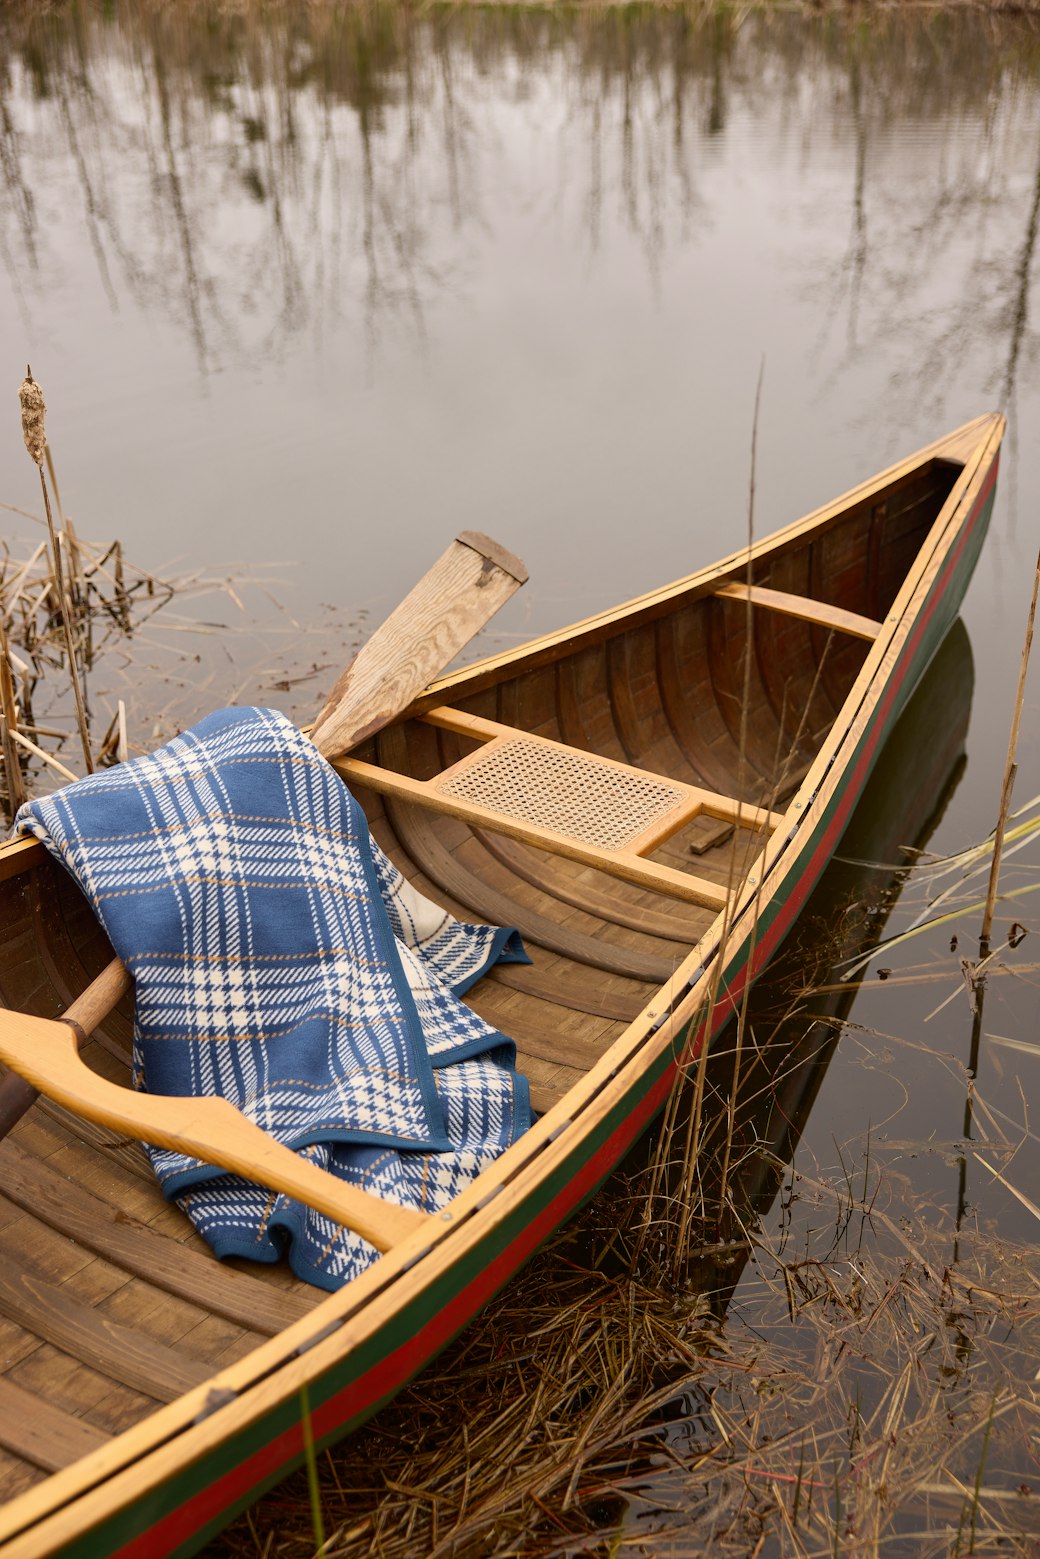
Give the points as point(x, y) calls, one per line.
point(804, 607)
point(545, 794)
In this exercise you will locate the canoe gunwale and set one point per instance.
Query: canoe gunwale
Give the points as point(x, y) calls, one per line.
point(78, 1499)
point(664, 600)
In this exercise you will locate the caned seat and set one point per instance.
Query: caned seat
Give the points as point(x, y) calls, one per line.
point(561, 799)
point(559, 788)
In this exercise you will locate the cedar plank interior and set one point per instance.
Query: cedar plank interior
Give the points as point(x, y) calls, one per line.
point(108, 1301)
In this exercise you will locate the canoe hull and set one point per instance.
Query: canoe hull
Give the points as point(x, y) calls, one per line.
point(185, 1485)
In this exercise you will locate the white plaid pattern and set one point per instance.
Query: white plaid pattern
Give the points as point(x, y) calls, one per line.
point(282, 962)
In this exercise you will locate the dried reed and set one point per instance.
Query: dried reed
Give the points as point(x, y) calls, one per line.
point(869, 1394)
point(33, 431)
point(1010, 770)
point(9, 727)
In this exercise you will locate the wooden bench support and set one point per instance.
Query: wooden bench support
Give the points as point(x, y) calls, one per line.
point(538, 793)
point(629, 867)
point(804, 607)
point(697, 801)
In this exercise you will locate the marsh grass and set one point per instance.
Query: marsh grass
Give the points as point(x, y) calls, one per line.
point(839, 1365)
point(55, 616)
point(151, 651)
point(859, 1400)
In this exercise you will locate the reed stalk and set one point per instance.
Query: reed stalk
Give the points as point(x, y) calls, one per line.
point(313, 1481)
point(745, 706)
point(1010, 770)
point(16, 794)
point(45, 757)
point(34, 411)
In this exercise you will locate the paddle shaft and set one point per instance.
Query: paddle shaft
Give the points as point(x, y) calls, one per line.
point(82, 1016)
point(207, 1127)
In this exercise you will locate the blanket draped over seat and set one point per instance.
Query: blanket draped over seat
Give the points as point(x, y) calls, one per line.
point(281, 961)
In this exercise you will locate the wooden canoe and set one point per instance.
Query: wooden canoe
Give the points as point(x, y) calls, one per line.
point(651, 806)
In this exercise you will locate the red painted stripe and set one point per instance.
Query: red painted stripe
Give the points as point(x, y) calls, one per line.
point(391, 1372)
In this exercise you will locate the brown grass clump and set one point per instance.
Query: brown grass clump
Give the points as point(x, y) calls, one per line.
point(835, 1371)
point(152, 654)
point(871, 1401)
point(104, 603)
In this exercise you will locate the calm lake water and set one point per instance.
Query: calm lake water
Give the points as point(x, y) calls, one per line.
point(309, 293)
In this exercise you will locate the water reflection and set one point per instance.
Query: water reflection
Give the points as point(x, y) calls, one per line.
point(333, 282)
point(256, 176)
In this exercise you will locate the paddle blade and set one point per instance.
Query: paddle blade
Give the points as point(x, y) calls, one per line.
point(453, 601)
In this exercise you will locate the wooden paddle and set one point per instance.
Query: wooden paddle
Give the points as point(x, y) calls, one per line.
point(452, 602)
point(44, 1052)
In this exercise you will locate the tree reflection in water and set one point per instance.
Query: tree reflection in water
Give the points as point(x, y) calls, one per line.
point(257, 173)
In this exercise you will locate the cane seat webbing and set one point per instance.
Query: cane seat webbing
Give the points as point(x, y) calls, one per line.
point(558, 798)
point(563, 789)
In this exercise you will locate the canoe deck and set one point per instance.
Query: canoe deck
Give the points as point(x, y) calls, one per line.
point(109, 1303)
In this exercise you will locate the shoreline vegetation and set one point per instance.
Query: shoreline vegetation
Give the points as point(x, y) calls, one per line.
point(735, 9)
point(147, 649)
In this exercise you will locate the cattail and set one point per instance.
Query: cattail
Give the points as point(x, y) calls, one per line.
point(33, 412)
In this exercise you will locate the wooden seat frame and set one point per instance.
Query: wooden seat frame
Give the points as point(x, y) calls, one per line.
point(628, 863)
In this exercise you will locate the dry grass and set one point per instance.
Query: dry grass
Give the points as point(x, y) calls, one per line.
point(834, 1367)
point(152, 655)
point(860, 1399)
point(57, 613)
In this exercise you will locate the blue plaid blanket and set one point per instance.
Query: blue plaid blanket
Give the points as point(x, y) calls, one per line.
point(281, 960)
